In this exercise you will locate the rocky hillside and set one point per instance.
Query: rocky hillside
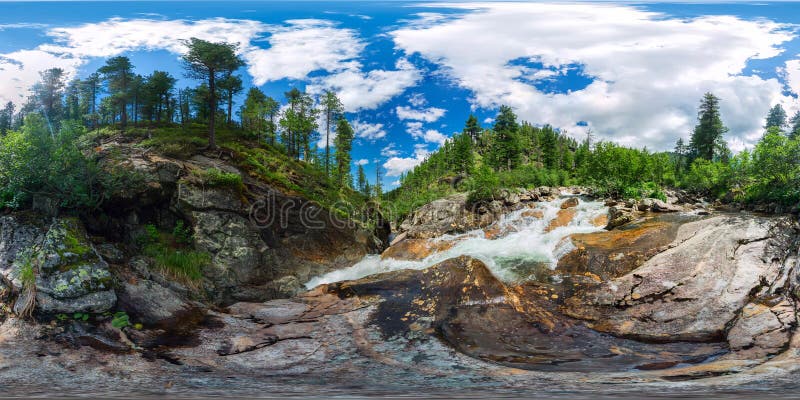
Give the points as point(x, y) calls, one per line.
point(186, 232)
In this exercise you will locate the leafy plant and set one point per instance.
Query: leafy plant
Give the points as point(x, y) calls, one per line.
point(120, 320)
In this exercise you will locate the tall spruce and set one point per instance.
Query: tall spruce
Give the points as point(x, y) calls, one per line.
point(776, 117)
point(505, 148)
point(6, 118)
point(343, 142)
point(794, 127)
point(472, 129)
point(331, 108)
point(707, 139)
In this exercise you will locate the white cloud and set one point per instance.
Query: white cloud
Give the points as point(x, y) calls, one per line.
point(390, 151)
point(369, 131)
point(362, 161)
point(649, 70)
point(20, 70)
point(361, 90)
point(417, 100)
point(431, 114)
point(488, 120)
point(302, 47)
point(295, 50)
point(416, 131)
point(792, 74)
point(397, 166)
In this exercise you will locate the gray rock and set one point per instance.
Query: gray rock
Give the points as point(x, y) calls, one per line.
point(153, 304)
point(619, 216)
point(660, 206)
point(695, 288)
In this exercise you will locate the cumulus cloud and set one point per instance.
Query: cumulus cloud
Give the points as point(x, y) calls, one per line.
point(397, 166)
point(302, 47)
point(19, 71)
point(648, 70)
point(792, 74)
point(369, 131)
point(390, 150)
point(361, 90)
point(293, 50)
point(416, 131)
point(431, 114)
point(362, 161)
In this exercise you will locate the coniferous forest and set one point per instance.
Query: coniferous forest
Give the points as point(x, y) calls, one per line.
point(45, 144)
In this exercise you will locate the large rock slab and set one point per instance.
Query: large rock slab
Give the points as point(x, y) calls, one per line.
point(694, 290)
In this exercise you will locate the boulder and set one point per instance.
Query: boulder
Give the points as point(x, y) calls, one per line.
point(619, 216)
point(71, 277)
point(660, 206)
point(154, 305)
point(569, 203)
point(562, 219)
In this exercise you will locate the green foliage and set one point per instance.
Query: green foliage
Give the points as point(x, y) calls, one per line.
point(774, 171)
point(52, 164)
point(172, 254)
point(182, 234)
point(218, 178)
point(27, 273)
point(121, 320)
point(78, 316)
point(707, 139)
point(483, 185)
point(706, 176)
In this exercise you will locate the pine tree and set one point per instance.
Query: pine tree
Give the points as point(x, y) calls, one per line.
point(505, 150)
point(681, 151)
point(463, 159)
point(707, 139)
point(331, 108)
point(47, 93)
point(378, 178)
point(118, 73)
point(299, 122)
point(230, 86)
point(159, 86)
point(344, 144)
point(90, 90)
point(211, 62)
point(776, 117)
point(472, 129)
point(363, 184)
point(794, 130)
point(6, 118)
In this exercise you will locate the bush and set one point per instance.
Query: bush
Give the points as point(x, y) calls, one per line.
point(708, 177)
point(483, 185)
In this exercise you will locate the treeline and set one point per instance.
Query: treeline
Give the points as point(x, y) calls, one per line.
point(58, 114)
point(511, 154)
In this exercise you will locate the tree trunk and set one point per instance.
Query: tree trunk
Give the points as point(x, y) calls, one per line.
point(230, 107)
point(212, 139)
point(328, 143)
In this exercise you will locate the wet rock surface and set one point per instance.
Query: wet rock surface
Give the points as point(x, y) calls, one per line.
point(671, 300)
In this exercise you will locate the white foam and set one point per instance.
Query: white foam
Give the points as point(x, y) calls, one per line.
point(529, 244)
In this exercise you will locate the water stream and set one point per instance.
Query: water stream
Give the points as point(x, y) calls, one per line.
point(511, 257)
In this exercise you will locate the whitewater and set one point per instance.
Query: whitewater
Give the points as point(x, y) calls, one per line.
point(510, 257)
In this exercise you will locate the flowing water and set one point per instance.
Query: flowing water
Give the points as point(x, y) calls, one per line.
point(511, 258)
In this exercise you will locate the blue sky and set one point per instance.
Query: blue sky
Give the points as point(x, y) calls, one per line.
point(410, 73)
